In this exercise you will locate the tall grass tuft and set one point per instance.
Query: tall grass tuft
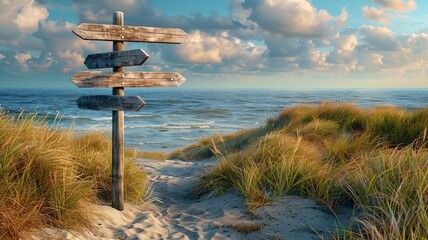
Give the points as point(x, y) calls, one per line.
point(48, 176)
point(338, 154)
point(390, 188)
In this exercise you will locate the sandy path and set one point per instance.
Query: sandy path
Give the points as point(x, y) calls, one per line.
point(176, 215)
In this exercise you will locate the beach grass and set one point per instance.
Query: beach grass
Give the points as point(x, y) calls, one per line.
point(49, 175)
point(338, 154)
point(151, 155)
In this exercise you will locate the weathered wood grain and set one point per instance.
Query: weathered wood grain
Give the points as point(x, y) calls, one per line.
point(110, 103)
point(104, 32)
point(118, 132)
point(97, 79)
point(116, 59)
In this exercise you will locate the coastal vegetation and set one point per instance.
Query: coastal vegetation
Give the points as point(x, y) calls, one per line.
point(375, 160)
point(48, 176)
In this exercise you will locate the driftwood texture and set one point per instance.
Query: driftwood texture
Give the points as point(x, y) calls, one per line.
point(104, 32)
point(116, 59)
point(110, 103)
point(97, 79)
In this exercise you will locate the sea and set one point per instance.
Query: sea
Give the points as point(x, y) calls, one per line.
point(175, 117)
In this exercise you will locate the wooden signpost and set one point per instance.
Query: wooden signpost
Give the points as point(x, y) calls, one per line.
point(119, 79)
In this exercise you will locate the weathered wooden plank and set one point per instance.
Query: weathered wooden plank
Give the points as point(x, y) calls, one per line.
point(110, 103)
point(118, 133)
point(116, 59)
point(97, 79)
point(104, 32)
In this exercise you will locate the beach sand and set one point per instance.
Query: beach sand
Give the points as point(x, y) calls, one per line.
point(174, 214)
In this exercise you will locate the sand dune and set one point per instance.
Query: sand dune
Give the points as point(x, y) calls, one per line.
point(174, 214)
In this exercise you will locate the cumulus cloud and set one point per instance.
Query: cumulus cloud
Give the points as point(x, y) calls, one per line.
point(42, 63)
point(411, 57)
point(22, 59)
point(292, 18)
point(29, 17)
point(343, 52)
point(376, 15)
point(220, 51)
point(143, 13)
point(379, 38)
point(17, 19)
point(263, 36)
point(66, 50)
point(397, 5)
point(418, 43)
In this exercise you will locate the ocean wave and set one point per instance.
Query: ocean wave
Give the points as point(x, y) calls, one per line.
point(188, 139)
point(86, 118)
point(142, 116)
point(216, 111)
point(102, 119)
point(151, 142)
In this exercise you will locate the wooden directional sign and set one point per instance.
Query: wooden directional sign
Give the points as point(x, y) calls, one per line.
point(97, 79)
point(116, 59)
point(111, 103)
point(104, 32)
point(119, 79)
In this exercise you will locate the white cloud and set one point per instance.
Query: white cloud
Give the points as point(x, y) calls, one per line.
point(29, 17)
point(397, 5)
point(410, 58)
point(66, 49)
point(42, 63)
point(342, 19)
point(376, 15)
point(221, 50)
point(22, 59)
point(418, 43)
point(71, 59)
point(343, 52)
point(379, 38)
point(292, 18)
point(270, 37)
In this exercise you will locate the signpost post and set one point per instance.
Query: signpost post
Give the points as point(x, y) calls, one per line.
point(119, 79)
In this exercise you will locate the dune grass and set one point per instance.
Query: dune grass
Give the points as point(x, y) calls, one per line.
point(338, 154)
point(48, 176)
point(151, 155)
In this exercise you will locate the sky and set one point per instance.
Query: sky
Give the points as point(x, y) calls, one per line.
point(283, 44)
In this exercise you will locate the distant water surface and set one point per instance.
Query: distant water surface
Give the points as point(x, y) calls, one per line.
point(173, 118)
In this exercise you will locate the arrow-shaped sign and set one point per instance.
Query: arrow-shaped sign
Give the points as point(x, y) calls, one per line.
point(116, 59)
point(96, 79)
point(106, 32)
point(110, 103)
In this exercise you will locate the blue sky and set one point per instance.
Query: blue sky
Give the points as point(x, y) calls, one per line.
point(233, 43)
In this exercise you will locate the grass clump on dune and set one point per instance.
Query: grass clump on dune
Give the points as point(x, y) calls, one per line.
point(151, 155)
point(338, 154)
point(48, 176)
point(390, 188)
